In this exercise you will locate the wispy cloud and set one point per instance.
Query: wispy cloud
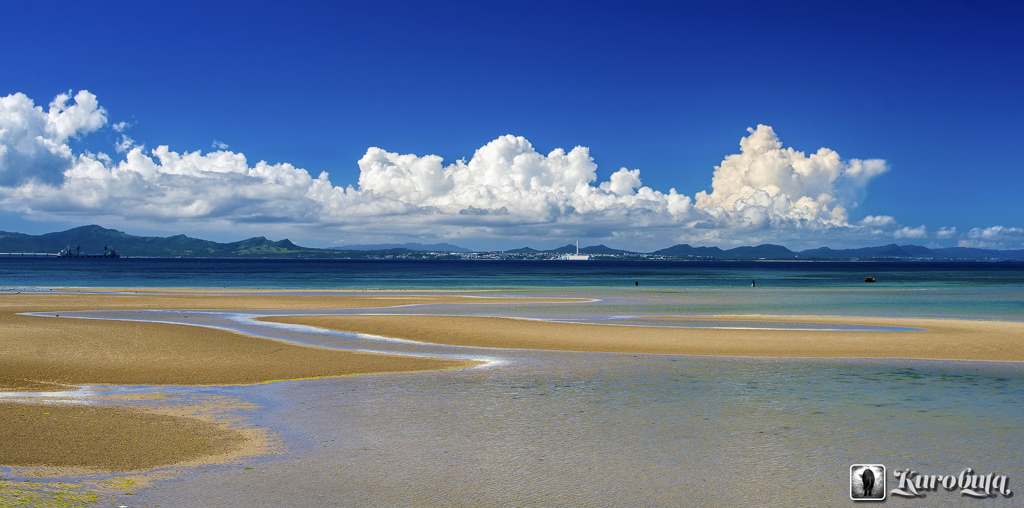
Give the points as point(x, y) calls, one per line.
point(908, 232)
point(995, 237)
point(878, 221)
point(996, 233)
point(125, 144)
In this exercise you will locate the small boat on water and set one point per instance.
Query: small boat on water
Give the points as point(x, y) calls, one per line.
point(869, 279)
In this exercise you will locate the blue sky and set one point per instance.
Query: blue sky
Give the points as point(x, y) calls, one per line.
point(918, 103)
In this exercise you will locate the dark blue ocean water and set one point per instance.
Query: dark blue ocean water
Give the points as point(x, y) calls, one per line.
point(455, 274)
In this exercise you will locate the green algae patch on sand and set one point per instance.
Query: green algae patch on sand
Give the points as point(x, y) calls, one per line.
point(32, 494)
point(70, 490)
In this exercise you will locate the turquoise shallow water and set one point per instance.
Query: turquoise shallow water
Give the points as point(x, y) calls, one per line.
point(458, 274)
point(972, 290)
point(576, 429)
point(606, 430)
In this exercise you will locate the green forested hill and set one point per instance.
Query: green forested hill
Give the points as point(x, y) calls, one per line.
point(92, 240)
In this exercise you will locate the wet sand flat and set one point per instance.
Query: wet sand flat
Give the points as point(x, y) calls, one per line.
point(105, 437)
point(940, 339)
point(39, 352)
point(35, 350)
point(182, 299)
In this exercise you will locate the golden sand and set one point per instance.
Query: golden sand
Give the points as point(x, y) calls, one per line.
point(940, 339)
point(178, 299)
point(78, 351)
point(105, 437)
point(38, 353)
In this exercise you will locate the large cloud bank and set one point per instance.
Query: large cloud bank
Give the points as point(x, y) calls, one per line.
point(766, 192)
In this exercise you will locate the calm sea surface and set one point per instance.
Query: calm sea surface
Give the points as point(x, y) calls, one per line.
point(574, 429)
point(968, 289)
point(345, 274)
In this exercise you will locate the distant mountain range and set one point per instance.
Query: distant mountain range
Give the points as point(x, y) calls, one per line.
point(778, 252)
point(92, 239)
point(891, 251)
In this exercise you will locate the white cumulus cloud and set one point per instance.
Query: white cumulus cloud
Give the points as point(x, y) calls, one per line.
point(508, 188)
point(946, 232)
point(769, 185)
point(33, 142)
point(508, 177)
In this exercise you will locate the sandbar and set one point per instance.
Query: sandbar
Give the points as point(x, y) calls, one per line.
point(37, 352)
point(106, 437)
point(938, 339)
point(217, 299)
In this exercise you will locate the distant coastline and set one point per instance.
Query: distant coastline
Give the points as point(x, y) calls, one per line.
point(94, 238)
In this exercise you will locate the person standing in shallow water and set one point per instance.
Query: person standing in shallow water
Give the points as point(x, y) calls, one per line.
point(753, 283)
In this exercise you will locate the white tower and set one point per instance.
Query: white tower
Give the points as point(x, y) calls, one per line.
point(577, 256)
